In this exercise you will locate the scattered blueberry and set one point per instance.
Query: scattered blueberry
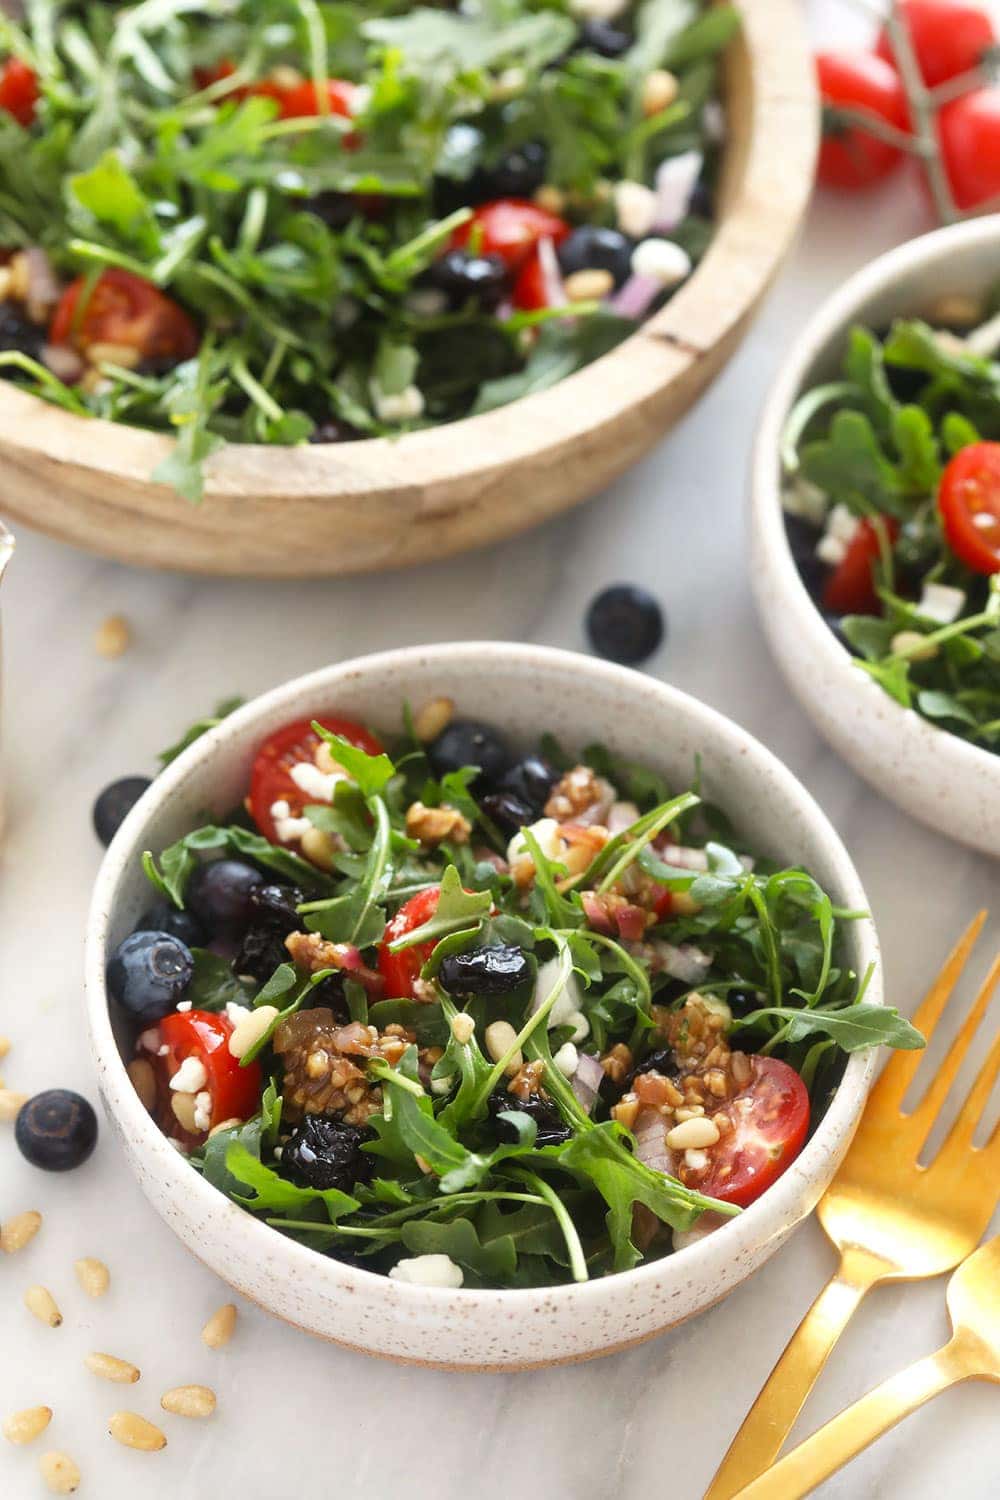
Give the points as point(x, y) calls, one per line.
point(56, 1130)
point(625, 624)
point(115, 803)
point(468, 742)
point(551, 1130)
point(603, 38)
point(219, 895)
point(148, 973)
point(593, 248)
point(517, 174)
point(463, 278)
point(485, 971)
point(165, 917)
point(324, 1152)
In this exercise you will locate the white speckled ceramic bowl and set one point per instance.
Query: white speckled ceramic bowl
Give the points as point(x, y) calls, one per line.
point(525, 689)
point(935, 776)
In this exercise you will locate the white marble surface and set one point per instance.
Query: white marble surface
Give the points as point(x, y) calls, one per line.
point(297, 1416)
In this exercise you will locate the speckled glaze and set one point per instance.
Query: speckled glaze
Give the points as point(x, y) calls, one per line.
point(935, 776)
point(524, 689)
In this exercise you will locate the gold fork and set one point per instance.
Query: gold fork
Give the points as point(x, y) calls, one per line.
point(891, 1218)
point(972, 1353)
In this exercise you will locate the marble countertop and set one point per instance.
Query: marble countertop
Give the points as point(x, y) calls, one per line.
point(297, 1416)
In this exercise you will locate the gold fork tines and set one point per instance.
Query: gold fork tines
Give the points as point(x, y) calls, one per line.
point(891, 1218)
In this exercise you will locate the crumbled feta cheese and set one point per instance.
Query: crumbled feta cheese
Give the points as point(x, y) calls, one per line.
point(235, 1012)
point(662, 261)
point(317, 784)
point(831, 550)
point(696, 1160)
point(801, 498)
point(546, 835)
point(286, 827)
point(404, 406)
point(163, 1051)
point(149, 1040)
point(183, 1005)
point(635, 208)
point(428, 1270)
point(941, 602)
point(567, 1059)
point(567, 1002)
point(597, 10)
point(713, 122)
point(842, 523)
point(190, 1077)
point(202, 1110)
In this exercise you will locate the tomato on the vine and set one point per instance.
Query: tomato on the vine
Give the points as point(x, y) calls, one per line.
point(949, 37)
point(270, 776)
point(234, 1090)
point(123, 309)
point(969, 132)
point(969, 503)
point(850, 588)
point(850, 157)
point(510, 228)
point(769, 1121)
point(18, 90)
point(400, 970)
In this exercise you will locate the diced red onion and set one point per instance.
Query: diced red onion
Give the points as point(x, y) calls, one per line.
point(688, 859)
point(635, 296)
point(597, 914)
point(631, 922)
point(586, 1081)
point(63, 362)
point(650, 1131)
point(621, 816)
point(675, 183)
point(555, 292)
point(684, 962)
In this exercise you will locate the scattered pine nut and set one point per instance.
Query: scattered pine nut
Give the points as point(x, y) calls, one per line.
point(220, 1327)
point(24, 1426)
point(93, 1276)
point(133, 1431)
point(433, 718)
point(11, 1104)
point(4, 1045)
point(113, 637)
point(143, 1081)
point(59, 1472)
point(40, 1302)
point(189, 1401)
point(17, 1232)
point(108, 1367)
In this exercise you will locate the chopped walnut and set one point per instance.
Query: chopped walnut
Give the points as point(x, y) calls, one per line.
point(433, 825)
point(581, 796)
point(527, 1080)
point(312, 952)
point(618, 1063)
point(583, 843)
point(324, 1065)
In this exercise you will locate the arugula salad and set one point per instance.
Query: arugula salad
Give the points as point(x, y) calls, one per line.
point(468, 1016)
point(279, 221)
point(892, 507)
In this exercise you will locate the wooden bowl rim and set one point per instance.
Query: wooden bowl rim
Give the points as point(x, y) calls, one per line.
point(651, 359)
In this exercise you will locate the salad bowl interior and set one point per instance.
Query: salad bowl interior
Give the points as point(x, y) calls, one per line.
point(940, 779)
point(530, 690)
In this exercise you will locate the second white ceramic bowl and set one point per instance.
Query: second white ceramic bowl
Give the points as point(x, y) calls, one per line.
point(525, 690)
point(935, 776)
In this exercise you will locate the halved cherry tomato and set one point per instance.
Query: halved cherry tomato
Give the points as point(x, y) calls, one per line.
point(18, 90)
point(849, 157)
point(399, 970)
point(770, 1119)
point(949, 37)
point(850, 588)
point(969, 132)
point(530, 289)
point(224, 68)
point(969, 502)
point(302, 100)
point(124, 309)
point(510, 228)
point(203, 1034)
point(270, 777)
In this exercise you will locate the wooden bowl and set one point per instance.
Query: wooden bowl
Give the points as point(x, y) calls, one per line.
point(353, 507)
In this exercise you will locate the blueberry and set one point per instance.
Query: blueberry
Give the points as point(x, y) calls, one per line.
point(593, 248)
point(702, 200)
point(335, 209)
point(115, 803)
point(56, 1130)
point(463, 278)
point(603, 38)
point(164, 917)
point(508, 812)
point(517, 174)
point(273, 917)
point(485, 971)
point(18, 333)
point(469, 742)
point(551, 1129)
point(148, 973)
point(625, 624)
point(219, 895)
point(802, 538)
point(532, 780)
point(324, 1152)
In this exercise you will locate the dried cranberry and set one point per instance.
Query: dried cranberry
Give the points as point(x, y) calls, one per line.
point(324, 1152)
point(662, 1061)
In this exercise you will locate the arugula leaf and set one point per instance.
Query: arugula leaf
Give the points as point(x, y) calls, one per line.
point(852, 1027)
point(371, 772)
point(214, 985)
point(494, 1261)
point(456, 910)
point(178, 863)
point(274, 1194)
point(200, 727)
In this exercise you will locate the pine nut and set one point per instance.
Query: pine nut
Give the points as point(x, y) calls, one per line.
point(182, 1106)
point(249, 1029)
point(318, 847)
point(17, 1232)
point(4, 1045)
point(59, 1472)
point(589, 285)
point(659, 90)
point(123, 355)
point(93, 1276)
point(463, 1028)
point(551, 198)
point(323, 760)
point(220, 1327)
point(40, 1302)
point(24, 1426)
point(227, 1125)
point(133, 1431)
point(500, 1037)
point(693, 1134)
point(11, 1104)
point(189, 1401)
point(113, 638)
point(144, 1082)
point(433, 719)
point(739, 1066)
point(20, 276)
point(110, 1368)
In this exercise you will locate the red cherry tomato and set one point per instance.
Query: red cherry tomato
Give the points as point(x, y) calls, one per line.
point(850, 588)
point(949, 37)
point(270, 776)
point(969, 132)
point(770, 1119)
point(302, 100)
point(530, 288)
point(510, 228)
point(849, 157)
point(969, 502)
point(225, 68)
point(399, 970)
point(124, 309)
point(205, 1035)
point(18, 90)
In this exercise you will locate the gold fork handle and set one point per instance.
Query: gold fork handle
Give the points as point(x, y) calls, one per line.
point(849, 1433)
point(773, 1414)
